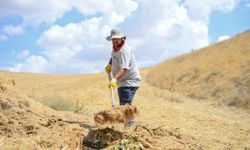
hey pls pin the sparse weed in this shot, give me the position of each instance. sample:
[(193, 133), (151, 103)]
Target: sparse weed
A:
[(238, 98), (78, 107), (59, 103), (211, 75), (76, 141)]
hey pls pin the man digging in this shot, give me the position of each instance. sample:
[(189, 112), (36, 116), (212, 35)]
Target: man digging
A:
[(125, 73)]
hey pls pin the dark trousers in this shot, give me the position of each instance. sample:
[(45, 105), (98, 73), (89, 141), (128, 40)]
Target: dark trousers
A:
[(126, 94)]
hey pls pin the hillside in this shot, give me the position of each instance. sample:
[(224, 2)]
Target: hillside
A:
[(219, 73), (27, 124)]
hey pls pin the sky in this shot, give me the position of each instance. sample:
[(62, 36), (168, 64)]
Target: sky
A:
[(68, 37)]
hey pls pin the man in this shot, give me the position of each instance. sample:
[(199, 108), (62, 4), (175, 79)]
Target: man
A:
[(122, 64)]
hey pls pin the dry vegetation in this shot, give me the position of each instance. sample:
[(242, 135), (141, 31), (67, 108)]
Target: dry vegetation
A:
[(183, 104), (220, 72)]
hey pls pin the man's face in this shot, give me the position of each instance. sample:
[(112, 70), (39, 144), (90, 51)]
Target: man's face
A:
[(116, 42)]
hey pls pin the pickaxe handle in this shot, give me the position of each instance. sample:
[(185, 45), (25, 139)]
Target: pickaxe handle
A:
[(112, 92)]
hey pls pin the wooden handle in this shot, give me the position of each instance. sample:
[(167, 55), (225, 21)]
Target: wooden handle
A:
[(112, 92), (109, 74)]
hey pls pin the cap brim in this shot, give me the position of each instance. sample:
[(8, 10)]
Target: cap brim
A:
[(109, 38)]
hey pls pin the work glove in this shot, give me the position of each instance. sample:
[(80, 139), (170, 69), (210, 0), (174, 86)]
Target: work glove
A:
[(108, 68), (112, 83)]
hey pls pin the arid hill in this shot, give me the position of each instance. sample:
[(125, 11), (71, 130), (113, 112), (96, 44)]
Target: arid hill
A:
[(220, 73), (27, 124)]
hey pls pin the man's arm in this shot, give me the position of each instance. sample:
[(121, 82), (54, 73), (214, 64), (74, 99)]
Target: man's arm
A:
[(108, 68), (110, 61), (120, 73)]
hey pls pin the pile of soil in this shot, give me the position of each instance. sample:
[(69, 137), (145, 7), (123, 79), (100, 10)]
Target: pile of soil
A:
[(139, 137), (25, 120), (118, 114)]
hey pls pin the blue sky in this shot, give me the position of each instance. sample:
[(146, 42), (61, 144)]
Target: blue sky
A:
[(230, 23), (69, 37)]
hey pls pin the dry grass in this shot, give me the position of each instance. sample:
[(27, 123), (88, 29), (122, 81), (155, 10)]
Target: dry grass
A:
[(76, 141), (58, 103), (219, 72)]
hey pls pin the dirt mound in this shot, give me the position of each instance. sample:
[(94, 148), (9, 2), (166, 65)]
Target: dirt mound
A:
[(6, 81), (119, 114), (101, 138), (139, 137), (24, 120)]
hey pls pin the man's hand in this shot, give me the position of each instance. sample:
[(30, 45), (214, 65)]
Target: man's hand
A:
[(112, 83), (108, 68)]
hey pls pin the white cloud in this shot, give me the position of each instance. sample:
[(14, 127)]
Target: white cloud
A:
[(35, 12), (90, 7), (36, 64), (3, 37), (24, 54), (70, 41), (170, 31), (222, 38), (13, 30), (201, 10), (76, 66)]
